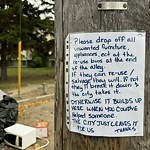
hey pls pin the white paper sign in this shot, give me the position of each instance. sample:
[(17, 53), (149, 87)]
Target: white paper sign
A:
[(105, 83)]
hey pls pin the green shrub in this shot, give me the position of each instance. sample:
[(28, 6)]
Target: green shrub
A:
[(36, 61)]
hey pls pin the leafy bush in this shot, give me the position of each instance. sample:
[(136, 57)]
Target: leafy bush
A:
[(36, 61)]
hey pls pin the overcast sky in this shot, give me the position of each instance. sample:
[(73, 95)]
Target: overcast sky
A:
[(38, 3)]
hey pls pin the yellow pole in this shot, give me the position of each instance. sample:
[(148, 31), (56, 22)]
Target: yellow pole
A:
[(19, 68)]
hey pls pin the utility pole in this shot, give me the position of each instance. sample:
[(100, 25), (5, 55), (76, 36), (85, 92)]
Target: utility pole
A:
[(88, 16)]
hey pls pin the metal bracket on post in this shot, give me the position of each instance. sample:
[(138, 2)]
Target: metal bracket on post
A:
[(112, 5)]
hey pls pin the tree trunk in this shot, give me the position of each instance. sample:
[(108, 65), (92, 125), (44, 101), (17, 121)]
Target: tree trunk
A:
[(83, 16), (4, 62)]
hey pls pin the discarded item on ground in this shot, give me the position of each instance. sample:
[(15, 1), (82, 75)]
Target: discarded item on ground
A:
[(8, 114), (1, 94), (20, 136), (42, 129), (43, 147), (2, 132)]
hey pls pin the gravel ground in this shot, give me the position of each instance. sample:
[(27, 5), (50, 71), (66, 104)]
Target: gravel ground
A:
[(35, 104)]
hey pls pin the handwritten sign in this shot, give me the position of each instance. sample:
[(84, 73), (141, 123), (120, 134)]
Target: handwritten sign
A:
[(105, 83)]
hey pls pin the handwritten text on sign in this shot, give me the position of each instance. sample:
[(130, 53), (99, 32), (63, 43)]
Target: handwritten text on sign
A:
[(106, 83)]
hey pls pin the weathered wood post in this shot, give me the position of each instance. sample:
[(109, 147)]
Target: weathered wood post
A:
[(83, 16)]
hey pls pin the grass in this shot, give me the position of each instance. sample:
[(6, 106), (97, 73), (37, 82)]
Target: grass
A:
[(28, 76)]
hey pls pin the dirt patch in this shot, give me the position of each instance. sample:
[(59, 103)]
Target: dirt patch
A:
[(34, 106)]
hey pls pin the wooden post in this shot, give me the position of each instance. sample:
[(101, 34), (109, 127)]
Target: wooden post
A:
[(83, 16)]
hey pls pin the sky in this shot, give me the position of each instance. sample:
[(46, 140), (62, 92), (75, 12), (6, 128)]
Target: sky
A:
[(38, 3)]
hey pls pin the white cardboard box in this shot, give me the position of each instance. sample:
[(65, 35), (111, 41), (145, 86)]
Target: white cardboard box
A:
[(24, 136), (41, 129)]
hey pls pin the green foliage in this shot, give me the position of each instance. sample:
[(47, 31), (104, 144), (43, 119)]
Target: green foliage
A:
[(36, 62), (39, 60), (21, 20)]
